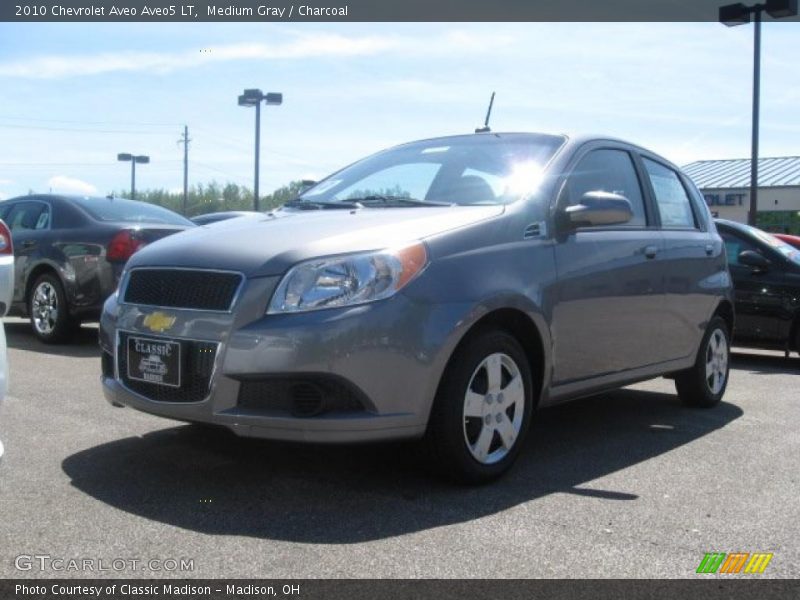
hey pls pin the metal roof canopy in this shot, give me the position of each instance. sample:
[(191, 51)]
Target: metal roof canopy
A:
[(735, 173)]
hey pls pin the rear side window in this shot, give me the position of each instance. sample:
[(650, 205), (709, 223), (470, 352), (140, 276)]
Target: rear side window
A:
[(607, 170), (129, 211), (673, 202)]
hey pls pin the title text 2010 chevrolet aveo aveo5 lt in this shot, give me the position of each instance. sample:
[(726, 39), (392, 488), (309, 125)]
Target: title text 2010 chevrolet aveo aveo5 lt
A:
[(442, 289)]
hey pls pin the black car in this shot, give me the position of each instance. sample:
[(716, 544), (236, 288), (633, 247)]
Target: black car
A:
[(69, 253), (766, 279)]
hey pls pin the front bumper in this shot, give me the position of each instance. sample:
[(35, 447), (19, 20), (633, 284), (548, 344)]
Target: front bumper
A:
[(389, 354)]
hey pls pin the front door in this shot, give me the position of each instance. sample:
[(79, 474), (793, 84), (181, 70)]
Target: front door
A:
[(610, 292), (759, 293)]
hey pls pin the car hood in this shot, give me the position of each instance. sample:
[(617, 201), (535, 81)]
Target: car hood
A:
[(270, 244)]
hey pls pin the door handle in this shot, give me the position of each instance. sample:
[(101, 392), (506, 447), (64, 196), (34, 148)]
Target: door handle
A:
[(651, 251), (709, 249), (28, 243)]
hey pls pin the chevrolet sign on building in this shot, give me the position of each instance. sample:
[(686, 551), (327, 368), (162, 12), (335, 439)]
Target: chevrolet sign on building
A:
[(725, 184)]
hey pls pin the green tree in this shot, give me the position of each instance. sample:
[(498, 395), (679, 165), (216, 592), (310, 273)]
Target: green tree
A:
[(216, 197)]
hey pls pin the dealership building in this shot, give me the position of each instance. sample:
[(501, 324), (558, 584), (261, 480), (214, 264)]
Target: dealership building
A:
[(726, 187)]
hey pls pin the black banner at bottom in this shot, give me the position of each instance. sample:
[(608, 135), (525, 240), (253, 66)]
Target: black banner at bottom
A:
[(713, 588)]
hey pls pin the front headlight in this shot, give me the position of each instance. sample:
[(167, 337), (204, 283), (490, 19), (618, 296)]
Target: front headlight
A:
[(347, 280)]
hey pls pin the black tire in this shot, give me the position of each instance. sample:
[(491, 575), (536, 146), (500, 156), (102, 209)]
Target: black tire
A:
[(61, 327), (694, 388), (447, 440)]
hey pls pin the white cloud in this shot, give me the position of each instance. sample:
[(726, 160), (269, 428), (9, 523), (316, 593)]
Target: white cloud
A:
[(5, 181), (70, 185), (304, 46)]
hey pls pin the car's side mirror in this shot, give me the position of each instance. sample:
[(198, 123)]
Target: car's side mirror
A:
[(754, 260), (599, 208)]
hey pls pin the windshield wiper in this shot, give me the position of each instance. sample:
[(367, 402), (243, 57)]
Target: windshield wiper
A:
[(301, 204), (395, 201)]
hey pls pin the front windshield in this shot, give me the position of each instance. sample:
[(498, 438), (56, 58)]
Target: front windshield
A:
[(477, 169)]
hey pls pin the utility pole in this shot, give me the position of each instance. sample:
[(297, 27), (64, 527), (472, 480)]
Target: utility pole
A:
[(185, 141)]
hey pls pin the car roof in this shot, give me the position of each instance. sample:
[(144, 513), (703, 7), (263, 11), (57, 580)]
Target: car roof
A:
[(63, 197), (571, 140)]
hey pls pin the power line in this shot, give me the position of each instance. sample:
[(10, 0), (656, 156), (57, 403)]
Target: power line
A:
[(210, 168), (123, 123), (76, 129), (76, 164)]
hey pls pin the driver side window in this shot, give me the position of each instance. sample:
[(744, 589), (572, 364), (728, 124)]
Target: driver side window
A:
[(607, 170), (735, 245)]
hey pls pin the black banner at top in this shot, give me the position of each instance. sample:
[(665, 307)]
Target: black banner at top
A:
[(358, 10)]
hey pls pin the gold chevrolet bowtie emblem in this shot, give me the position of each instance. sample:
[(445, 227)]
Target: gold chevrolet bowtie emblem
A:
[(158, 322)]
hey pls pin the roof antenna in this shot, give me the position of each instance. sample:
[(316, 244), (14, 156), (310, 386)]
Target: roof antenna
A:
[(486, 128)]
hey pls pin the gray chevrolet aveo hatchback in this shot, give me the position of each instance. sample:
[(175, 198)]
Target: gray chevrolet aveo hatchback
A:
[(441, 290)]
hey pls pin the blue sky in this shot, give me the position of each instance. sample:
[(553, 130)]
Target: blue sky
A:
[(74, 95)]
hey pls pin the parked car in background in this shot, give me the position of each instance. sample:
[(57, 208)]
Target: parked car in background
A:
[(209, 218), (766, 279), (69, 254), (441, 289), (6, 291), (792, 240)]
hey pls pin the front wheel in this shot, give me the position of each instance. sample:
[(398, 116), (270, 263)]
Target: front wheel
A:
[(704, 384), (48, 310), (482, 411)]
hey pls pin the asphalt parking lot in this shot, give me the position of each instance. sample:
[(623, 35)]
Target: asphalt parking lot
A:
[(628, 484)]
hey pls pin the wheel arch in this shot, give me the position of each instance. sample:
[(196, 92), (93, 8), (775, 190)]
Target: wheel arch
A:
[(726, 312), (522, 327), (41, 269)]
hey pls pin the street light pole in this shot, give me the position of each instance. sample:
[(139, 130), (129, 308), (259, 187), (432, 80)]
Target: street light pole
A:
[(142, 159), (752, 214), (254, 97), (258, 153), (133, 180), (738, 14)]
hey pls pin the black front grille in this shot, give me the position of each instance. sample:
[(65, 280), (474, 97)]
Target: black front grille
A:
[(178, 288), (302, 397), (197, 360)]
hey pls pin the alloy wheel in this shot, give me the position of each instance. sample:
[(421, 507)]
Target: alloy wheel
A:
[(44, 308), (494, 406), (716, 361)]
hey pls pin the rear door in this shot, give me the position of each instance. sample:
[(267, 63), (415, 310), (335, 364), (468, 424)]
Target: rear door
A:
[(610, 292), (29, 222), (693, 258)]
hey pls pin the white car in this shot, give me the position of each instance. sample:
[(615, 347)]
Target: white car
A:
[(6, 291)]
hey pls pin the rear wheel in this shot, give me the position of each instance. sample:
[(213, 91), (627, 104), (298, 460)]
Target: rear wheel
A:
[(704, 384), (483, 409), (48, 310)]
